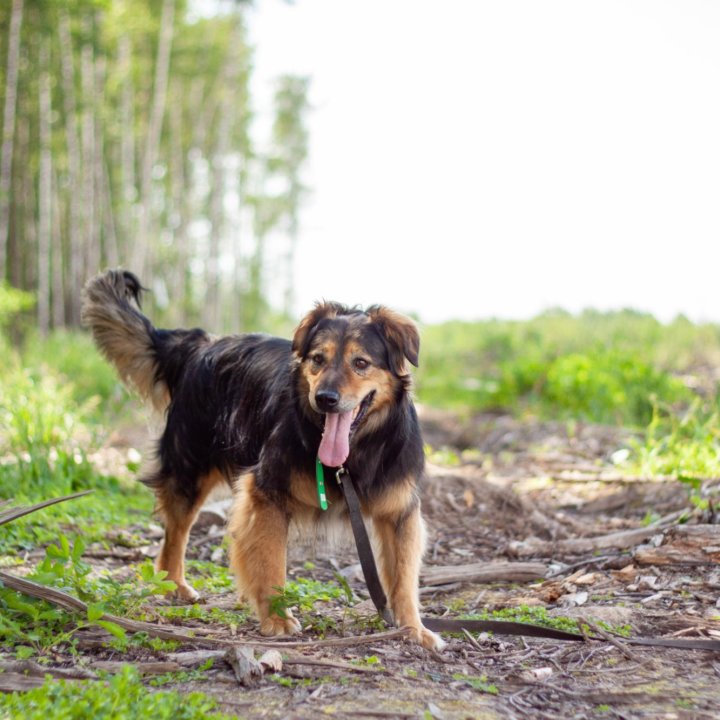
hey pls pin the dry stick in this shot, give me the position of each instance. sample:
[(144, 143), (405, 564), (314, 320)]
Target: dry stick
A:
[(472, 640), (300, 660), (14, 513), (613, 641)]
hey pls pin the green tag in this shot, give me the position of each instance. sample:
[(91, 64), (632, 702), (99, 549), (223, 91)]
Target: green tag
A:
[(320, 477)]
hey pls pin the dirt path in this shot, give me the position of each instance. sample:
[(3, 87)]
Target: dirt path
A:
[(497, 490)]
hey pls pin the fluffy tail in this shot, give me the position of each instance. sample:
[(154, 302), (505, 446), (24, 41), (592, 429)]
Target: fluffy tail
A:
[(110, 308)]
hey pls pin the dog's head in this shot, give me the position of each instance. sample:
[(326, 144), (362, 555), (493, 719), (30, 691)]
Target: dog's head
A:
[(353, 368)]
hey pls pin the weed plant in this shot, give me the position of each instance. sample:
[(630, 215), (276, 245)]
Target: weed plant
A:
[(32, 626), (120, 697)]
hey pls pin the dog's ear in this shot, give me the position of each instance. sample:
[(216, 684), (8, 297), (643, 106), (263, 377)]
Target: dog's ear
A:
[(306, 329), (401, 336)]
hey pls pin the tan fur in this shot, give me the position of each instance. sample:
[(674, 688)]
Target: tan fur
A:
[(402, 544), (178, 519), (355, 385), (258, 550), (309, 525), (123, 339)]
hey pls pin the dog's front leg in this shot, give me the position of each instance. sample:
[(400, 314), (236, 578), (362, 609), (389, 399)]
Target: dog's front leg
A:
[(401, 539), (258, 550)]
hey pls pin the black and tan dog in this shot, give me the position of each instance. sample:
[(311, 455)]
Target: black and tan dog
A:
[(255, 412)]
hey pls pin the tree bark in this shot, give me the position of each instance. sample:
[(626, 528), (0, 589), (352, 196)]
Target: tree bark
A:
[(56, 262), (162, 69), (6, 154), (44, 194), (128, 194), (74, 200), (90, 259)]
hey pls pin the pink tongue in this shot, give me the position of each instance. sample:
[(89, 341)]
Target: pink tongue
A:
[(335, 444)]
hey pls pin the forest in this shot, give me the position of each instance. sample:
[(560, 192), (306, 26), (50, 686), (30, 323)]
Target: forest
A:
[(572, 475), (128, 138)]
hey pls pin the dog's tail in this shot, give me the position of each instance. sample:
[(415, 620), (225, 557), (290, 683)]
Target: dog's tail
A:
[(110, 308)]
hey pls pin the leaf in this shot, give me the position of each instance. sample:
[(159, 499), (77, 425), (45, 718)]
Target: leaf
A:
[(78, 549), (112, 628), (95, 611)]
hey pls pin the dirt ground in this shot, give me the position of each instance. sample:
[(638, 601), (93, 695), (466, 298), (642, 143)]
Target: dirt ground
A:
[(498, 491)]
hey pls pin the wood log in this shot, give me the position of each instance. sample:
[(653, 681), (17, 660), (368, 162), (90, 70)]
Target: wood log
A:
[(484, 572), (580, 546), (683, 545)]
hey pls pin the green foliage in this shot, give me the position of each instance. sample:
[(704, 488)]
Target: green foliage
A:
[(48, 424), (207, 615), (122, 697), (12, 303), (36, 625), (183, 676), (477, 683), (44, 432), (682, 445), (73, 358), (303, 594), (209, 577), (525, 614), (599, 367), (608, 387), (686, 446)]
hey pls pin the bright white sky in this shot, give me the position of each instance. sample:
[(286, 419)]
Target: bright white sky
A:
[(473, 159)]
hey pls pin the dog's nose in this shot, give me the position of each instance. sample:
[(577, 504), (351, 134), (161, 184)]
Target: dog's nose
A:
[(327, 400)]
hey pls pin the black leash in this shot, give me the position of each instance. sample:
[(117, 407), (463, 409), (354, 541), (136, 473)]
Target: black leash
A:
[(447, 625)]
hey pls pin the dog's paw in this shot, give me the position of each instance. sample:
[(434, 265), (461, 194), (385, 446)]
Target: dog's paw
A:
[(184, 592), (428, 639), (274, 625)]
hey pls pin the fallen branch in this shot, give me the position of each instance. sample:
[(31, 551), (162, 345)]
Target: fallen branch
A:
[(598, 631), (581, 546), (484, 573), (322, 662), (33, 669), (684, 545), (17, 682), (14, 513), (68, 602)]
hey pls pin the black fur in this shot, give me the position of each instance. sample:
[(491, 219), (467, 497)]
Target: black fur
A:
[(235, 405)]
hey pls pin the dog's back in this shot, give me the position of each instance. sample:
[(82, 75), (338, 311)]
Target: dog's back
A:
[(213, 391)]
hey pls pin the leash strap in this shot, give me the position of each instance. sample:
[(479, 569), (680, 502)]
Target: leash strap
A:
[(501, 627), (362, 541)]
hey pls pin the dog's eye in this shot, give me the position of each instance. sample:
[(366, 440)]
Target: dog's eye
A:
[(361, 364), (317, 358)]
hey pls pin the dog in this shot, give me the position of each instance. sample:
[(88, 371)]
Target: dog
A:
[(255, 411)]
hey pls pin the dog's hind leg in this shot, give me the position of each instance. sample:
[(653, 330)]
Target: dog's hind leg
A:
[(179, 514), (258, 555)]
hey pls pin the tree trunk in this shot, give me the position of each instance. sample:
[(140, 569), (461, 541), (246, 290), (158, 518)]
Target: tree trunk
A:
[(162, 70), (75, 269), (44, 195), (6, 154), (127, 144), (91, 260), (56, 262), (180, 200), (217, 191)]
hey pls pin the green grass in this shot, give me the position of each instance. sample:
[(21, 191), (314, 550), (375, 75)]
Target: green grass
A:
[(121, 697), (525, 614)]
